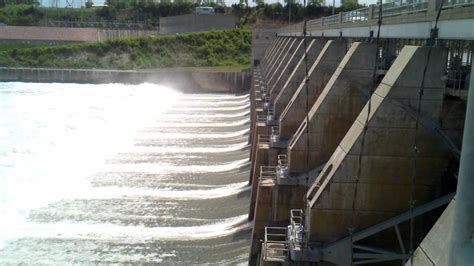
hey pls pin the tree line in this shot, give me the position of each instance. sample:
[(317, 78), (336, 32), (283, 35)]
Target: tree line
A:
[(29, 12)]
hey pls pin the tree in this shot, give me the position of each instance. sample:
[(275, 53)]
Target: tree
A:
[(349, 5), (260, 3), (89, 4)]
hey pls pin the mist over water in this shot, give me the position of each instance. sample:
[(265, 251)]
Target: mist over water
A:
[(117, 173)]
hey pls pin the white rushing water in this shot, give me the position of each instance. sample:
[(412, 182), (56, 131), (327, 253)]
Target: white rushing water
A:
[(122, 174)]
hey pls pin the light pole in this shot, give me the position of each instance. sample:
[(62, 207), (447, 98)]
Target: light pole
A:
[(289, 12), (462, 230)]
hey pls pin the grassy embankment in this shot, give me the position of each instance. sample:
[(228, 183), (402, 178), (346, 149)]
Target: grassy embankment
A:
[(225, 49)]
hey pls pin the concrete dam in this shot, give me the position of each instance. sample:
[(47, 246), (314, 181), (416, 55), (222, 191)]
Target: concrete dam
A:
[(356, 140), (347, 143)]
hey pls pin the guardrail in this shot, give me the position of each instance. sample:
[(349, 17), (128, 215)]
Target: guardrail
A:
[(267, 173), (263, 139), (296, 228), (397, 8), (361, 14), (259, 105), (455, 3), (98, 24), (261, 119), (334, 19), (275, 245)]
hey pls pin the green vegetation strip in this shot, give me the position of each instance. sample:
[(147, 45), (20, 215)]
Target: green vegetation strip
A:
[(225, 48)]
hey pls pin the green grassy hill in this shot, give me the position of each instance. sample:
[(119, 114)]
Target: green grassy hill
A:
[(204, 49)]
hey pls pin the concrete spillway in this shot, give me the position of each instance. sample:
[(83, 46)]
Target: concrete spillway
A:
[(333, 137)]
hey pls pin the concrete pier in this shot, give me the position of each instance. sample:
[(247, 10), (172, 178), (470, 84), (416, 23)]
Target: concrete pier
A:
[(288, 68), (331, 150), (276, 57), (296, 77), (319, 74), (270, 52), (333, 113), (384, 186), (282, 65)]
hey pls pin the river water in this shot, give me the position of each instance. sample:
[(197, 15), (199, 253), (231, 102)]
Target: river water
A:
[(117, 173)]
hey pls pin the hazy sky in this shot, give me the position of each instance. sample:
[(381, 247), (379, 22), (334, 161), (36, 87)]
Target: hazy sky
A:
[(228, 2)]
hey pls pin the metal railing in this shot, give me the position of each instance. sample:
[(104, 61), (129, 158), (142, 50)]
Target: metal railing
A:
[(313, 24), (270, 116), (259, 105), (296, 233), (263, 91), (361, 14), (334, 19), (282, 169), (261, 119), (275, 135), (267, 105), (275, 245), (400, 7), (267, 173), (456, 3), (263, 139), (99, 24)]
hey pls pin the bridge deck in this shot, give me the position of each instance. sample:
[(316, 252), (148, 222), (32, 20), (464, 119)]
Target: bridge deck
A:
[(403, 21)]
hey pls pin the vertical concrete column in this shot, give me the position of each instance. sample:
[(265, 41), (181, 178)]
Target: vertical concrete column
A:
[(334, 111), (319, 74), (371, 12), (295, 78), (386, 169)]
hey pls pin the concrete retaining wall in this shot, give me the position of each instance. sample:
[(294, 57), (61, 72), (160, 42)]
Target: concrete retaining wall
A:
[(181, 80), (110, 34), (194, 22), (54, 35)]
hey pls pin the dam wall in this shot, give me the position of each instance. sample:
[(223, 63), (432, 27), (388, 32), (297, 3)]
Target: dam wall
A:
[(333, 154), (185, 81)]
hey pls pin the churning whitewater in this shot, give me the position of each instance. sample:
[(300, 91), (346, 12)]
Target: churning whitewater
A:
[(117, 173)]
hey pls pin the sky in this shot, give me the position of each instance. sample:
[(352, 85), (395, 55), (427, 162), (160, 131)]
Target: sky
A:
[(228, 2)]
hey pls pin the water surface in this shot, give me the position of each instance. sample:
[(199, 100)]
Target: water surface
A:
[(122, 174)]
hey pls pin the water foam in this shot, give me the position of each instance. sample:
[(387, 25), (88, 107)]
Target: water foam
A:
[(129, 234), (197, 194), (180, 149), (172, 168), (175, 136)]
